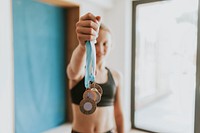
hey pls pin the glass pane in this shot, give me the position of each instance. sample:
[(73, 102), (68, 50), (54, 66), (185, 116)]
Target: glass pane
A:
[(166, 46)]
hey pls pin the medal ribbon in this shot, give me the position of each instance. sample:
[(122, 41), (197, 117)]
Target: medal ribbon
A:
[(90, 63)]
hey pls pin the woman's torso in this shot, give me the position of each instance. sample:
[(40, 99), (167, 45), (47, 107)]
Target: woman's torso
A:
[(103, 118)]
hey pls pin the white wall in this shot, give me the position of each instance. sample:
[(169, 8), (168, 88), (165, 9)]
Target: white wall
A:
[(119, 20), (95, 7), (6, 69)]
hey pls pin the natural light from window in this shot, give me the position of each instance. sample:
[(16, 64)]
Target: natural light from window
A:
[(165, 79)]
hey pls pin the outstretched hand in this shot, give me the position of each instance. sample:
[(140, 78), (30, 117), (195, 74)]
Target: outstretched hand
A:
[(87, 28)]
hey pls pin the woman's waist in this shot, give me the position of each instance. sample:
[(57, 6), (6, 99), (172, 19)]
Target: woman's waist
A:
[(93, 123), (93, 131), (94, 119), (104, 112), (93, 128), (101, 119)]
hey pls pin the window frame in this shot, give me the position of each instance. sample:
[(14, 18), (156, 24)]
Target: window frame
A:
[(133, 61), (197, 97)]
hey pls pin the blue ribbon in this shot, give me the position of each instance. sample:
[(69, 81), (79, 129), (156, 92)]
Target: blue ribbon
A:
[(90, 63)]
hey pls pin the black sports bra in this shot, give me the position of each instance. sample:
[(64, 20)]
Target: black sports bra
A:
[(109, 91)]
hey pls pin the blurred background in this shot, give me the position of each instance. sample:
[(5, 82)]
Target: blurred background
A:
[(155, 46)]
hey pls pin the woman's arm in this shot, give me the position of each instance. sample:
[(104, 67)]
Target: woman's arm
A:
[(75, 68), (86, 29), (119, 118)]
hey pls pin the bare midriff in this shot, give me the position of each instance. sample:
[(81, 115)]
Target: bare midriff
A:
[(100, 121)]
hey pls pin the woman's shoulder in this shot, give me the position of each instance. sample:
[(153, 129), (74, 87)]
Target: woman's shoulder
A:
[(115, 72), (117, 75)]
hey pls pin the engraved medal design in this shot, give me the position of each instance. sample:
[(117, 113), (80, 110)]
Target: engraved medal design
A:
[(89, 93), (87, 106)]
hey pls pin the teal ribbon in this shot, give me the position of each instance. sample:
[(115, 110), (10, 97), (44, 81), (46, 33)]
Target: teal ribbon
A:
[(90, 63)]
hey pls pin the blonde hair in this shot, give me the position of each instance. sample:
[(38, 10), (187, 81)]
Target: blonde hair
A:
[(105, 28)]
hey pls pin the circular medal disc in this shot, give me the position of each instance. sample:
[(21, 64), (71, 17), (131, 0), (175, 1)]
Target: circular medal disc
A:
[(87, 106), (98, 95), (90, 94), (98, 87)]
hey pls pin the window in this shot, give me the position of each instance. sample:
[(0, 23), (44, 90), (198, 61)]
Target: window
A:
[(164, 65)]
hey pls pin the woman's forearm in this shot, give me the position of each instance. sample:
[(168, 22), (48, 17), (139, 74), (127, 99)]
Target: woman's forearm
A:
[(77, 62), (120, 124)]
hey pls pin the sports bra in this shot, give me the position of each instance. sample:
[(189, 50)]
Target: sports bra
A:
[(108, 96)]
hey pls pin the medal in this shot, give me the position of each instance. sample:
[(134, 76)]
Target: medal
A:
[(98, 87), (93, 93), (87, 106), (98, 95), (89, 94)]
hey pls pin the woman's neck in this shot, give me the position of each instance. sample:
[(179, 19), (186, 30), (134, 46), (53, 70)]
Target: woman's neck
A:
[(100, 67)]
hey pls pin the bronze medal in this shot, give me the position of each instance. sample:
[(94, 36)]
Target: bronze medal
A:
[(87, 106), (98, 87), (90, 94), (98, 95), (91, 97)]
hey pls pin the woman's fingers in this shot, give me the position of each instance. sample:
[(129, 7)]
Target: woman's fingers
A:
[(98, 19), (86, 31), (89, 16), (88, 23), (83, 38), (87, 27)]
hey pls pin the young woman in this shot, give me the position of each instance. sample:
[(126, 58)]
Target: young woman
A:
[(108, 116)]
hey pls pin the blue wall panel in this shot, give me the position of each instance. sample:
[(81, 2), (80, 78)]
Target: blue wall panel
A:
[(39, 65)]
